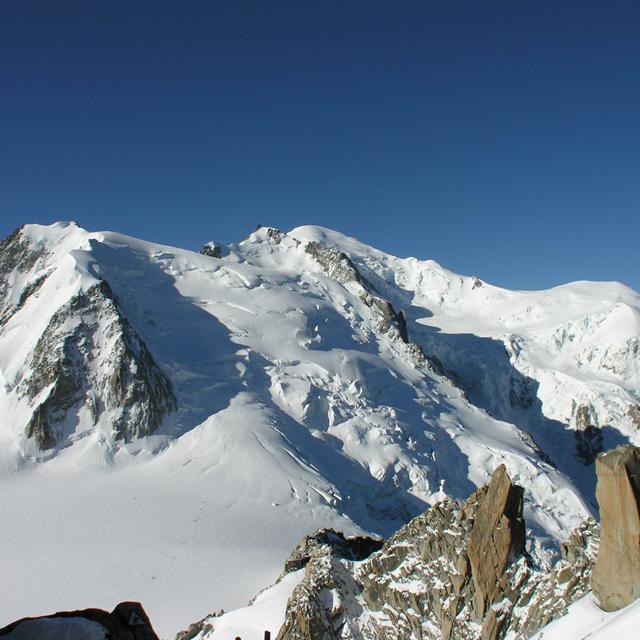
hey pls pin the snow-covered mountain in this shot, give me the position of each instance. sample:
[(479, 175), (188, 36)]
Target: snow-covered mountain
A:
[(171, 422)]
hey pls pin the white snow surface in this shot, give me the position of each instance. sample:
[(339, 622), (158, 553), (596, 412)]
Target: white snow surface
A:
[(294, 413), (58, 629), (585, 620), (265, 613)]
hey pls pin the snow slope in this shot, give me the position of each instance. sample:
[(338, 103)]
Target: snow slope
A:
[(586, 620), (298, 404)]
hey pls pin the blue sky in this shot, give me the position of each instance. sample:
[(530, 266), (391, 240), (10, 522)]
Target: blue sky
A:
[(500, 138)]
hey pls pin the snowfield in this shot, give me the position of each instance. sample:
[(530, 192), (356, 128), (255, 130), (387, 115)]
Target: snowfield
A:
[(299, 404)]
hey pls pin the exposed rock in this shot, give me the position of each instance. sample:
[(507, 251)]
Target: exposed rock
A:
[(89, 353), (589, 443), (277, 236), (616, 577), (195, 629), (633, 411), (315, 610), (456, 572), (17, 255), (498, 535), (128, 621), (338, 266), (212, 249), (202, 628), (587, 434), (584, 417), (324, 540)]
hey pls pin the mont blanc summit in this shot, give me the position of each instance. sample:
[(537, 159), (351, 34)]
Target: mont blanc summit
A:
[(173, 422)]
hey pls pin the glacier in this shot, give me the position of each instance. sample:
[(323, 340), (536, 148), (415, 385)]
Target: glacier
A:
[(204, 411)]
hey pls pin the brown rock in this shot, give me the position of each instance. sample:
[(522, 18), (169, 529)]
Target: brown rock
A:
[(616, 577), (498, 534)]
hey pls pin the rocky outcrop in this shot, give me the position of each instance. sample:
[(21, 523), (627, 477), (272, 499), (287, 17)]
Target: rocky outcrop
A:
[(18, 256), (323, 549), (497, 536), (325, 541), (459, 571), (338, 266), (633, 412), (201, 628), (212, 249), (90, 355), (587, 434), (128, 621), (616, 577)]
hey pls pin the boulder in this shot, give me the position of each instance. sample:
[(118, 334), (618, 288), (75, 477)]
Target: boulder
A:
[(616, 577)]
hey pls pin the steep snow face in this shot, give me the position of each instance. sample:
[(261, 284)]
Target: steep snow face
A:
[(290, 381)]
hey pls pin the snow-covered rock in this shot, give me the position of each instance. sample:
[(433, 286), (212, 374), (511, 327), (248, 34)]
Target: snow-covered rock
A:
[(128, 621), (432, 579)]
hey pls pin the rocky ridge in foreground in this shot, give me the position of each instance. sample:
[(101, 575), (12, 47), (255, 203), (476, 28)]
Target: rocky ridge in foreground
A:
[(459, 571)]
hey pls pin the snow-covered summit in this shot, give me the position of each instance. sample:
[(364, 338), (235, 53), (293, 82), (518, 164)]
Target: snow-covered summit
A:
[(295, 380)]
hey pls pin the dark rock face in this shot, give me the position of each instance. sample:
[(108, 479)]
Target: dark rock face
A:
[(17, 255), (588, 436), (338, 266), (90, 353), (497, 536), (616, 577), (456, 572), (326, 541), (128, 621), (276, 236), (212, 249)]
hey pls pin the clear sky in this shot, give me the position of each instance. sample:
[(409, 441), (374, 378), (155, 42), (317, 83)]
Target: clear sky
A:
[(501, 139)]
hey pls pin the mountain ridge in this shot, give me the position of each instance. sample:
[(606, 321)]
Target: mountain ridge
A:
[(352, 387)]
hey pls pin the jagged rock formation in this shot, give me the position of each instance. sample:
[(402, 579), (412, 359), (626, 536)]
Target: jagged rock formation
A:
[(200, 628), (587, 434), (17, 256), (456, 572), (326, 541), (212, 249), (497, 535), (616, 577), (322, 544), (128, 621), (90, 330), (338, 266)]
